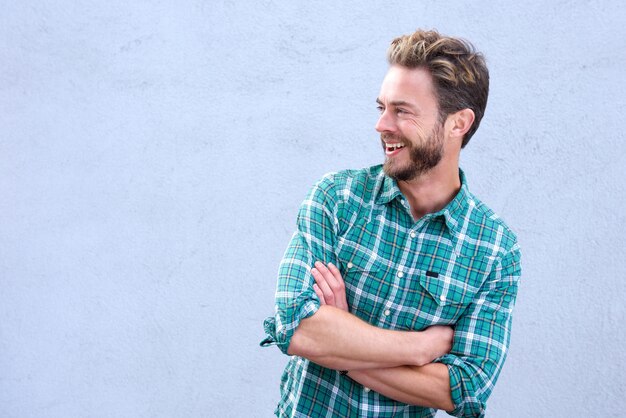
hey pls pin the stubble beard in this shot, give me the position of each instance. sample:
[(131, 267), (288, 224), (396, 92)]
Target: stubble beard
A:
[(423, 157)]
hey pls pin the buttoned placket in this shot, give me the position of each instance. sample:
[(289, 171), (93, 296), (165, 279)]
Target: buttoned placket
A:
[(400, 270)]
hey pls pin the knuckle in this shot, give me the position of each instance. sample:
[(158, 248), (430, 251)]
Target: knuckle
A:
[(337, 287)]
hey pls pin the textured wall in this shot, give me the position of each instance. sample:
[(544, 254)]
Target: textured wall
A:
[(153, 156)]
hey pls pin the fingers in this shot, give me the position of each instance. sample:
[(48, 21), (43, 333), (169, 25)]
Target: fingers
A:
[(331, 275), (329, 285), (336, 275), (319, 294), (321, 280)]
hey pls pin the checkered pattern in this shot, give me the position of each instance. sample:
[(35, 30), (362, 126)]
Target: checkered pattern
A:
[(459, 266)]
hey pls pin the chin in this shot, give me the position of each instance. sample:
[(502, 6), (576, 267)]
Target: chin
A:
[(395, 170)]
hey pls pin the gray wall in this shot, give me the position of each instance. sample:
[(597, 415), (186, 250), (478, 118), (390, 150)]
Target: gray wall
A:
[(153, 156)]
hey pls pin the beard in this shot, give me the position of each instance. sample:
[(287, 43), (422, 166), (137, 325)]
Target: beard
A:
[(423, 157)]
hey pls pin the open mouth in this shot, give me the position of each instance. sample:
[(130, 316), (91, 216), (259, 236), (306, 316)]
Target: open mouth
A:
[(391, 148)]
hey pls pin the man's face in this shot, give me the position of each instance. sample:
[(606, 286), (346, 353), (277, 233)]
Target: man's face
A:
[(409, 126)]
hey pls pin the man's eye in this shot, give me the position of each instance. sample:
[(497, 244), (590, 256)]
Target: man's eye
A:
[(400, 111), (380, 108)]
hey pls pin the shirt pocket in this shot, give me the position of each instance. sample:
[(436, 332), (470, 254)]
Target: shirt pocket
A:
[(363, 275), (437, 300)]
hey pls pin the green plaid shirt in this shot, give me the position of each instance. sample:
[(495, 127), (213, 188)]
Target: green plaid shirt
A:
[(459, 266)]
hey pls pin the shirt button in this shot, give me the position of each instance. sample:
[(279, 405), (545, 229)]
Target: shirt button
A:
[(350, 265), (442, 298), (367, 389), (400, 274), (387, 312), (413, 234)]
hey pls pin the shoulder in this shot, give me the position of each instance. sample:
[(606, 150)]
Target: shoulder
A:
[(349, 185), (488, 229), (344, 194)]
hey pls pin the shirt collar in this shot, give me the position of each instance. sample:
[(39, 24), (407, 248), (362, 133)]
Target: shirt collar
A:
[(453, 213), (388, 189)]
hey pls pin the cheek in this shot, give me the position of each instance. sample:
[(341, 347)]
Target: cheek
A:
[(414, 130)]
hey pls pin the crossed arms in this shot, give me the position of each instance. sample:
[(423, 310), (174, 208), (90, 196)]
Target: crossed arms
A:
[(393, 363)]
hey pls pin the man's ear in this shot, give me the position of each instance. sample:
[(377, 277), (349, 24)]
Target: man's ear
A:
[(460, 122)]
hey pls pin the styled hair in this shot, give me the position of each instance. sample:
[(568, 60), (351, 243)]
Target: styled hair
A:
[(459, 73)]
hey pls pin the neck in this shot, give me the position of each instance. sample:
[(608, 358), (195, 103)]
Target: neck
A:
[(433, 190)]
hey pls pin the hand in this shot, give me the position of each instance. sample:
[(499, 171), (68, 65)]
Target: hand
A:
[(329, 285), (438, 341)]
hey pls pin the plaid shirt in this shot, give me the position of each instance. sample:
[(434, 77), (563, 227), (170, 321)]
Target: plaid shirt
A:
[(459, 266)]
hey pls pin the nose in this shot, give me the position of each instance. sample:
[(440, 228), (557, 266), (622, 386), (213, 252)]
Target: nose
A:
[(385, 122)]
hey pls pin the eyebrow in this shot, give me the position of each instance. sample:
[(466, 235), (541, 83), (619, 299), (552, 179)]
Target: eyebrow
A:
[(397, 103)]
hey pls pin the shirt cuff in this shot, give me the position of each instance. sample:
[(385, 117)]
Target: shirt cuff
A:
[(279, 332), (461, 389)]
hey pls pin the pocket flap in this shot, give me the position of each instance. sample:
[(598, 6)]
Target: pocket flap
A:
[(358, 259), (446, 290)]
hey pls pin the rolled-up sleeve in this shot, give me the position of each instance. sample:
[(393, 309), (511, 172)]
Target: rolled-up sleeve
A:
[(481, 338), (314, 240)]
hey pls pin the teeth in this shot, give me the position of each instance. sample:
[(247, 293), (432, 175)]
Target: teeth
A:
[(393, 147)]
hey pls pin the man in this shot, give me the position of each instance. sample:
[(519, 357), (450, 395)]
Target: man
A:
[(394, 297)]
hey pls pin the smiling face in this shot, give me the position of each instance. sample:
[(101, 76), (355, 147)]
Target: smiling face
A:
[(409, 125)]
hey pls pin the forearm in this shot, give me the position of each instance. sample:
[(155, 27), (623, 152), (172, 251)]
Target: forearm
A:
[(427, 386), (339, 340)]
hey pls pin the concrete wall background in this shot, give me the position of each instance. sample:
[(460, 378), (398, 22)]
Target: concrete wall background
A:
[(153, 156)]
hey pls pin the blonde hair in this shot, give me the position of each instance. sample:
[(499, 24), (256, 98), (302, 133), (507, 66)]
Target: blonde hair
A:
[(459, 73)]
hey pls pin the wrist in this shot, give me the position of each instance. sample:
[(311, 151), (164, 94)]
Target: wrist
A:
[(421, 353), (412, 349)]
